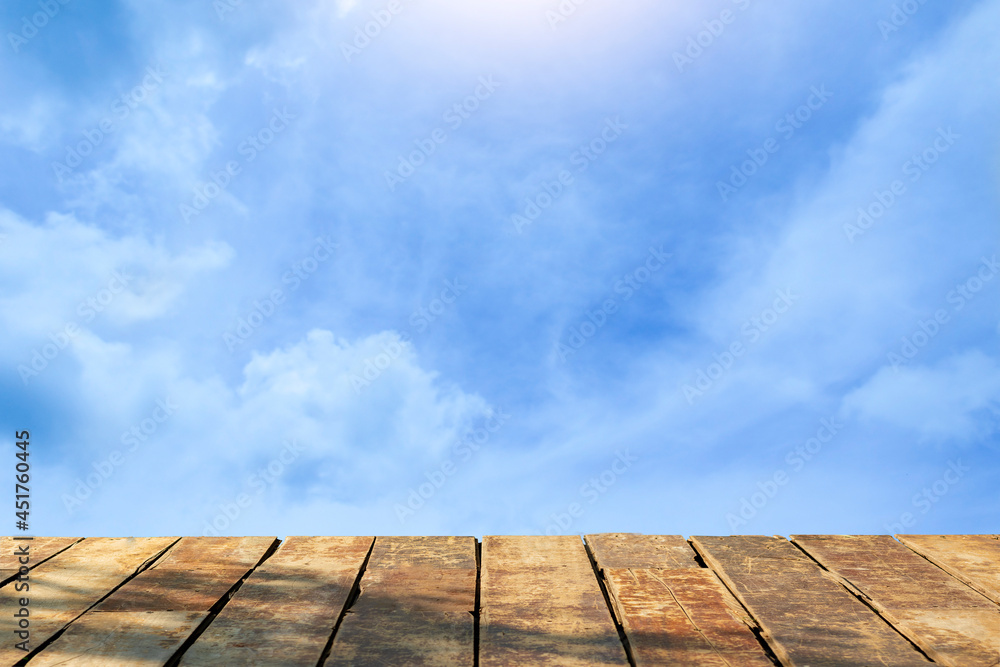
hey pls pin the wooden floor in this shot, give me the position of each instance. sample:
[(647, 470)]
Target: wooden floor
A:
[(611, 599)]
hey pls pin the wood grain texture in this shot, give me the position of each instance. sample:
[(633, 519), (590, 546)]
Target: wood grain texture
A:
[(40, 549), (65, 586), (121, 639), (542, 605), (683, 616), (805, 614), (286, 610), (950, 622), (973, 559), (416, 605), (193, 576), (632, 550), (673, 610)]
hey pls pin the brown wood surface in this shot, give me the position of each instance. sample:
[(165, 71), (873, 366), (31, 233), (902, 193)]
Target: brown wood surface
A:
[(40, 549), (632, 550), (824, 601), (121, 639), (416, 605), (285, 612), (672, 609), (974, 559), (193, 576), (65, 586), (683, 616), (805, 614), (541, 604), (950, 622)]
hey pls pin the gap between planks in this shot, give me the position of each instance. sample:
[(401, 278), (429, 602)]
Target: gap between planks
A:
[(145, 565), (607, 600), (217, 608), (352, 597), (861, 597)]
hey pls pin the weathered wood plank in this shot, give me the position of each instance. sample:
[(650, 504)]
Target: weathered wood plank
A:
[(673, 610), (121, 639), (40, 549), (542, 605), (806, 616), (950, 622), (632, 550), (285, 612), (416, 605), (972, 559), (683, 616), (193, 576), (65, 586)]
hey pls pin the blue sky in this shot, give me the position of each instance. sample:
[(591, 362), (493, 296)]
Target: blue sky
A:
[(474, 267)]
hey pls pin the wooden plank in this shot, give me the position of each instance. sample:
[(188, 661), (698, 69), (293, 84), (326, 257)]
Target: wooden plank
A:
[(286, 610), (121, 639), (151, 616), (193, 576), (40, 549), (950, 622), (632, 550), (806, 616), (416, 605), (542, 605), (673, 610), (682, 616), (972, 559), (65, 586)]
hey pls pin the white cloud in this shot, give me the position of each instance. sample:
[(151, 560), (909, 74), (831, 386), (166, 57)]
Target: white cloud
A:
[(32, 128), (358, 447), (857, 298), (345, 6), (67, 271), (957, 398)]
